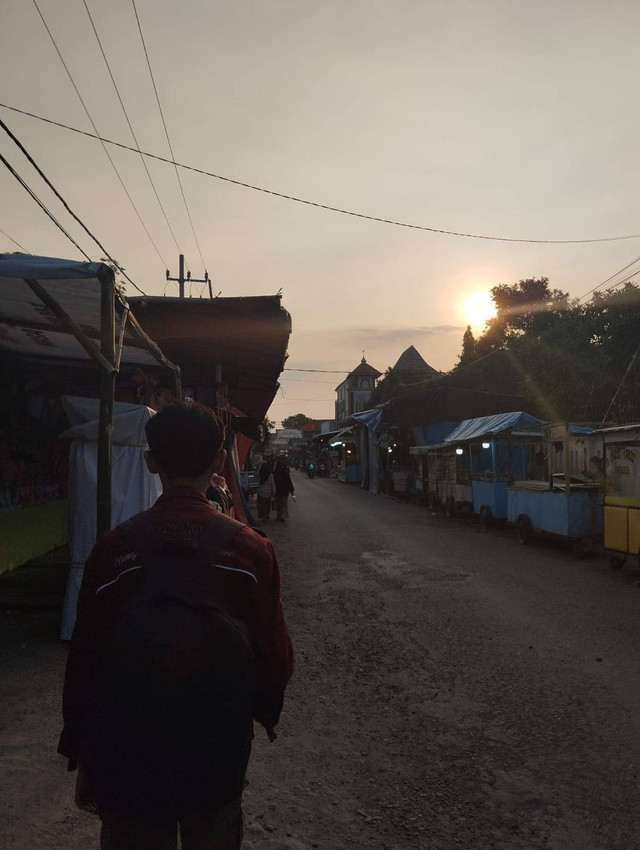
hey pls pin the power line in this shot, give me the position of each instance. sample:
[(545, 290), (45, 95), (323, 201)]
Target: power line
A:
[(315, 398), (605, 282), (15, 242), (106, 62), (97, 135), (323, 371), (166, 132), (42, 205), (318, 205), (305, 381), (67, 207)]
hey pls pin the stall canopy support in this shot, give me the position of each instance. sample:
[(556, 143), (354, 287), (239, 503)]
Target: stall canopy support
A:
[(107, 392), (88, 344)]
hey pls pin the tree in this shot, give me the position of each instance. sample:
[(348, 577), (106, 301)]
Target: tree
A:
[(568, 360), (468, 354), (526, 307), (296, 421)]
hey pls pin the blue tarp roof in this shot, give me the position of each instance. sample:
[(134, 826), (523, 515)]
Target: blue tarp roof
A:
[(585, 430), (47, 268), (370, 418), (470, 429)]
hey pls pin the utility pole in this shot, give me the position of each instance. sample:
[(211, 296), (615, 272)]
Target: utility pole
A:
[(181, 279)]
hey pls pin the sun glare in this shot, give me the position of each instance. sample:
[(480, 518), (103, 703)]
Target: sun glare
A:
[(478, 309)]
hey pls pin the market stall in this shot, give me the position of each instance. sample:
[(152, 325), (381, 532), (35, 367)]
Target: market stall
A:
[(568, 504), (448, 481), (63, 324), (620, 472), (501, 448)]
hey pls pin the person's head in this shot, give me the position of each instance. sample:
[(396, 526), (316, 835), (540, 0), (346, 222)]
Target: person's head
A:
[(185, 443)]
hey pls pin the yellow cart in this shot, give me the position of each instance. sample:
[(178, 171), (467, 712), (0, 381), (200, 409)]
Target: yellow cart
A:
[(622, 493)]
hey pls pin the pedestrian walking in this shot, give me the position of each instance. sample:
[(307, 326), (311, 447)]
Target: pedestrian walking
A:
[(284, 486), (266, 490), (180, 643)]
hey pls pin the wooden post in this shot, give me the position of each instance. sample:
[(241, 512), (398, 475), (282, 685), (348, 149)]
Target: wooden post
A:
[(181, 275), (567, 460), (107, 387)]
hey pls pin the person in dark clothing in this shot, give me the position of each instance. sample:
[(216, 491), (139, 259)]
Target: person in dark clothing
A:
[(284, 486), (185, 449), (266, 489)]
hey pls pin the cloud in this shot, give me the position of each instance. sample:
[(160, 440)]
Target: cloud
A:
[(341, 348), (384, 335)]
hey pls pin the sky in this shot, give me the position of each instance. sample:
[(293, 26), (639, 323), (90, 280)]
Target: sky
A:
[(511, 119)]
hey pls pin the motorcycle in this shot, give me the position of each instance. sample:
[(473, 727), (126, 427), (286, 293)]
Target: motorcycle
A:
[(311, 470)]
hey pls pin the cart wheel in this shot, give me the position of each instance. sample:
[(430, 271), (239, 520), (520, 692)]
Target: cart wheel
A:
[(486, 517), (524, 529), (450, 507), (617, 562)]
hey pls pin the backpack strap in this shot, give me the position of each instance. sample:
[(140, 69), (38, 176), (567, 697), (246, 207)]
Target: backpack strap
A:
[(146, 539)]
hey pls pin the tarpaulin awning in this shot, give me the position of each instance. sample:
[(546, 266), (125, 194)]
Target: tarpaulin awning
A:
[(482, 426), (50, 309), (328, 435), (246, 337), (582, 430), (371, 418), (135, 488)]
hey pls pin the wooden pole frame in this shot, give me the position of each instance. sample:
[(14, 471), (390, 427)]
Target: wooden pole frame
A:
[(107, 392)]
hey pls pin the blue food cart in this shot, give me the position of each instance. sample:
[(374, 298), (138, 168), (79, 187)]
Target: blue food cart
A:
[(500, 449), (568, 504)]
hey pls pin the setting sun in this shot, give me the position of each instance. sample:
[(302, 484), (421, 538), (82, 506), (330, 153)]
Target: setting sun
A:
[(478, 309)]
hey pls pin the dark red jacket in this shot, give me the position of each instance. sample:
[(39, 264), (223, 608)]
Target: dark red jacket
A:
[(180, 514)]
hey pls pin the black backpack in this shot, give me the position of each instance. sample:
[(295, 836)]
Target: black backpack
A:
[(171, 729)]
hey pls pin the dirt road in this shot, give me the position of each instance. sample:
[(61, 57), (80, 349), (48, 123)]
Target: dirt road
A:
[(452, 689)]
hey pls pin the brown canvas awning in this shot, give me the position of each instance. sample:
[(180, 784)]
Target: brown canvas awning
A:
[(247, 337)]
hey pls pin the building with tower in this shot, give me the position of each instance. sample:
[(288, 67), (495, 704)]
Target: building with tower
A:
[(354, 392)]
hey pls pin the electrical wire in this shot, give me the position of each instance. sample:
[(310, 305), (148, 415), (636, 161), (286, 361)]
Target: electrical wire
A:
[(605, 282), (153, 186), (323, 371), (97, 135), (42, 205), (15, 242), (67, 207), (289, 400), (318, 205), (166, 132), (305, 381)]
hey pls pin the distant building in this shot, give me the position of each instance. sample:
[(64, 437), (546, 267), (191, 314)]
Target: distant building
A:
[(317, 426), (354, 392), (411, 361), (285, 439), (327, 425)]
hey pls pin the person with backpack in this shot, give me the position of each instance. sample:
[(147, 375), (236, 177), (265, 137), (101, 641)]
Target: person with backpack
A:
[(180, 644)]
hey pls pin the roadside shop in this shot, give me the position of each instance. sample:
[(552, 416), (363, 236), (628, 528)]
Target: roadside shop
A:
[(65, 329)]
